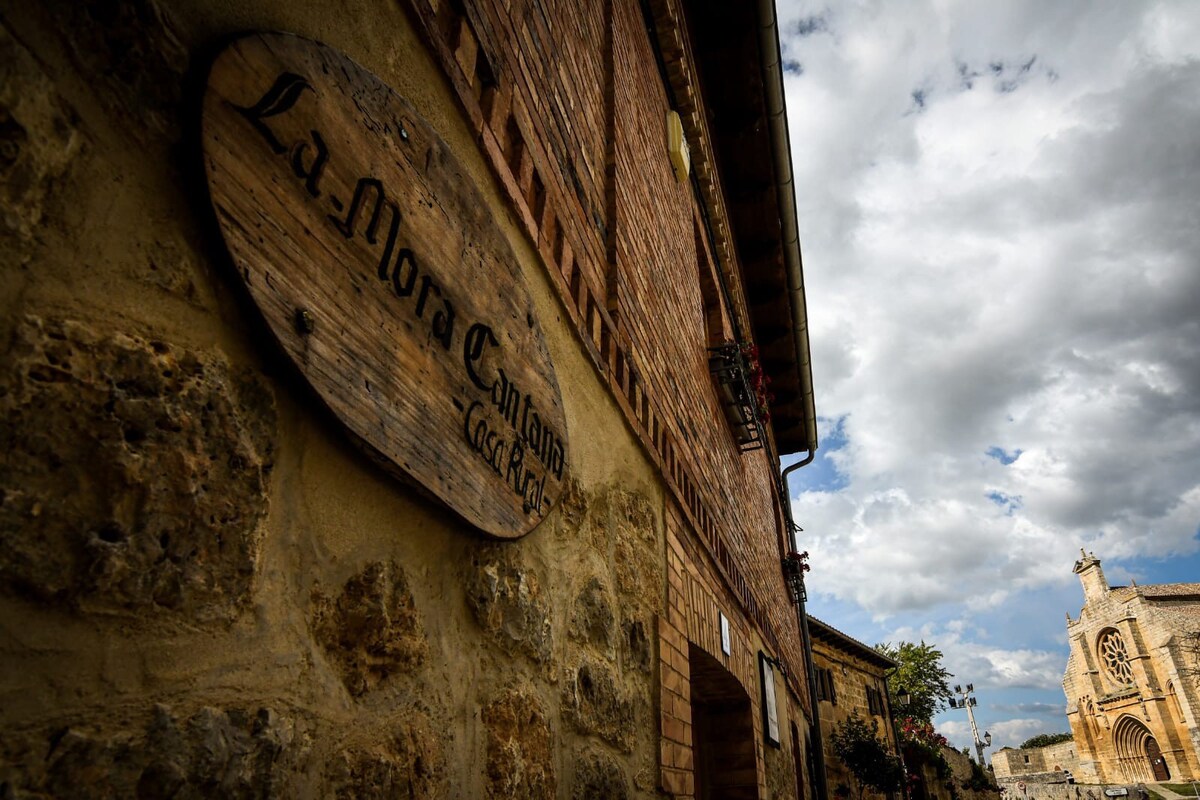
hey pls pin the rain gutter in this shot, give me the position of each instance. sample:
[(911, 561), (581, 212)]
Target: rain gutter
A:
[(785, 191)]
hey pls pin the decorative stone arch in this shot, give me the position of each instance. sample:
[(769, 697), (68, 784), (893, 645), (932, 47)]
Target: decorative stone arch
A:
[(1139, 756), (1087, 714), (1173, 701)]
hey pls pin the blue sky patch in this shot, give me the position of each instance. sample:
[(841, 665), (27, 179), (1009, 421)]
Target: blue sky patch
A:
[(822, 475), (810, 25), (1009, 503), (1003, 456)]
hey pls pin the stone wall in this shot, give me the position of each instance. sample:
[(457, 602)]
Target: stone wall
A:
[(851, 675), (1051, 786), (205, 590), (1010, 762), (960, 784)]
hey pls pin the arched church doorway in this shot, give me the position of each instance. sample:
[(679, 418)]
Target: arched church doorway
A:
[(1138, 754), (722, 731)]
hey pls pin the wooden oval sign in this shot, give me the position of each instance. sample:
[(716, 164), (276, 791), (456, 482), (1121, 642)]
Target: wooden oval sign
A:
[(382, 273)]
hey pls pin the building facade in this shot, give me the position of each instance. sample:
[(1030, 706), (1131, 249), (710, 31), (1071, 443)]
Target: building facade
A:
[(1054, 763), (851, 679), (1132, 680), (384, 401)]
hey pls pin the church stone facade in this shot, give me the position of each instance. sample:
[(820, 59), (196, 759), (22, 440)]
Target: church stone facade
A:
[(1132, 686)]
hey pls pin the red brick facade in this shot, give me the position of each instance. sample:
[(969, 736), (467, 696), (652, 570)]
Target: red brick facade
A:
[(569, 106)]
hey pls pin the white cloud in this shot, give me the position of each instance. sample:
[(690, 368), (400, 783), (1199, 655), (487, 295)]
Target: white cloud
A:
[(1012, 732), (998, 208), (985, 665), (1015, 265)]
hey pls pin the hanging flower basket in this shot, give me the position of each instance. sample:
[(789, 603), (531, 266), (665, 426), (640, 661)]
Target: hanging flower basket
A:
[(742, 388)]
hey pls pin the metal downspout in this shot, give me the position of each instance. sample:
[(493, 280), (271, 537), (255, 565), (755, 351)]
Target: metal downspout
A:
[(815, 740), (887, 690)]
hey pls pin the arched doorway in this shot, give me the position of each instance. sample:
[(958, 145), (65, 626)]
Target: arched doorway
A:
[(722, 731), (1138, 754)]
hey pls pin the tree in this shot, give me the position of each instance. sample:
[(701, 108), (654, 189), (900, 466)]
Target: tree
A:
[(859, 747), (921, 675), (1189, 645), (1043, 739)]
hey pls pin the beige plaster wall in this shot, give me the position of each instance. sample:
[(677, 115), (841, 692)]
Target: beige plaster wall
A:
[(308, 626)]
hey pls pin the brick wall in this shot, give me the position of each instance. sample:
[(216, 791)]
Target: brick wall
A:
[(646, 336), (696, 597), (570, 109)]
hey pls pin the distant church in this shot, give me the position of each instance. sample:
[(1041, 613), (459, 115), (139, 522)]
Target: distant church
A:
[(1133, 680)]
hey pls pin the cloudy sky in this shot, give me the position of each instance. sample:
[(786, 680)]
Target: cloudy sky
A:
[(1000, 221)]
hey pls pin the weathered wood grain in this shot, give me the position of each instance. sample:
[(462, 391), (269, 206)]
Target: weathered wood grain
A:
[(380, 270)]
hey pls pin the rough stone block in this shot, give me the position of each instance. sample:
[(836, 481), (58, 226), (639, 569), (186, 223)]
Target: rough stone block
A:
[(372, 629), (408, 762), (133, 58), (133, 473), (595, 703), (38, 137), (592, 619), (506, 600), (520, 754), (572, 508), (598, 777), (635, 645), (637, 560), (212, 753)]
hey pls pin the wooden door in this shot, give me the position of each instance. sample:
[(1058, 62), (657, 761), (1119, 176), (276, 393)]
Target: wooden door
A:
[(1158, 764)]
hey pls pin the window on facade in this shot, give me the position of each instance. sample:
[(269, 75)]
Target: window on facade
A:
[(875, 701), (825, 688), (1114, 656)]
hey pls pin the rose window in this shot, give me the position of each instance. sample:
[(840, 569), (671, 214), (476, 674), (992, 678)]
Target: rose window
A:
[(1115, 657)]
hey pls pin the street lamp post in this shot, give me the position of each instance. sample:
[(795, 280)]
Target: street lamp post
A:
[(903, 698), (967, 701)]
